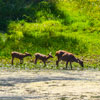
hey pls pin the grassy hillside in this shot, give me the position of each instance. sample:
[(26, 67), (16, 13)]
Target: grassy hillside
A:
[(49, 25)]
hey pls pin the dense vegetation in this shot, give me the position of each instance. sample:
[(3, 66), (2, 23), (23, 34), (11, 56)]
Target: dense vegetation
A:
[(49, 25)]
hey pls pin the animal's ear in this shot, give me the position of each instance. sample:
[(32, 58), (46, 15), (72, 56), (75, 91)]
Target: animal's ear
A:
[(26, 53), (50, 53), (82, 59)]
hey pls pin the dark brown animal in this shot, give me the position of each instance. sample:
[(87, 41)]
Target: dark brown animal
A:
[(59, 55), (19, 56), (68, 57), (42, 57)]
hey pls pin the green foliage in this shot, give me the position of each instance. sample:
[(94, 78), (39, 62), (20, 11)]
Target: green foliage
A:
[(50, 25)]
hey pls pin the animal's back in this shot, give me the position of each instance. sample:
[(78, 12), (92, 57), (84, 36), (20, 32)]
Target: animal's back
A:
[(40, 56), (60, 53), (68, 57), (16, 54)]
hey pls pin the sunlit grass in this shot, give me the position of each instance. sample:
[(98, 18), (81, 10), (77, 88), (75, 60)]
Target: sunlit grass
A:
[(65, 25)]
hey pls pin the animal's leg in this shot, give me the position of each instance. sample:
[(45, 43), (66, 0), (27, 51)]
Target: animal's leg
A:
[(57, 62), (66, 64), (35, 61), (71, 65), (44, 63), (12, 60), (21, 61)]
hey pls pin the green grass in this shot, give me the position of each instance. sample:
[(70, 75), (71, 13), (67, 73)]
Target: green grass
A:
[(71, 25)]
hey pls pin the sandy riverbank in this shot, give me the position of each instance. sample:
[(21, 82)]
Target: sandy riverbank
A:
[(49, 85)]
